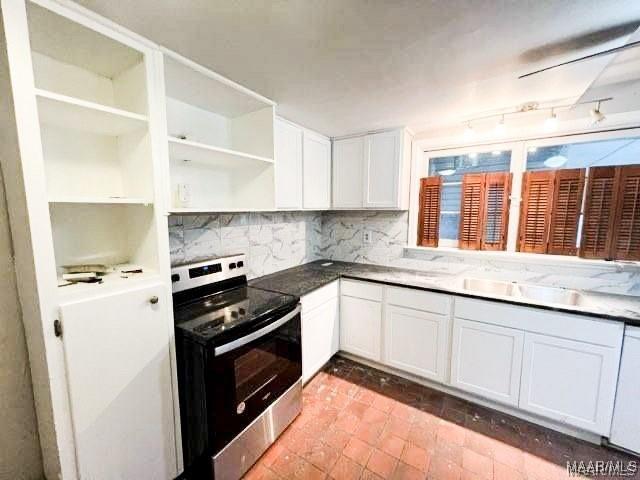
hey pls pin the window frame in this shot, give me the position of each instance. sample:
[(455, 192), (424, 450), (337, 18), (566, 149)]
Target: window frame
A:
[(426, 149)]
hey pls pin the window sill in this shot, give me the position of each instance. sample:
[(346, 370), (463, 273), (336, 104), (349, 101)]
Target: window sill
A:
[(531, 258)]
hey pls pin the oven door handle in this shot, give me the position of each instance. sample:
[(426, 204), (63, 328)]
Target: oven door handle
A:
[(227, 347)]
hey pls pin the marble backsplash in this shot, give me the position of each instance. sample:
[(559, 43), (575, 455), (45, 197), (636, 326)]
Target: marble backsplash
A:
[(271, 241), (275, 241)]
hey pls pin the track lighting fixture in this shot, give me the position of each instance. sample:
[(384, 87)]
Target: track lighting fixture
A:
[(596, 115), (551, 123)]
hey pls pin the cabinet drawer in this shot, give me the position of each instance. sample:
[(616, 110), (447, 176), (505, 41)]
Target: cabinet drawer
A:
[(318, 297), (368, 291), (419, 299)]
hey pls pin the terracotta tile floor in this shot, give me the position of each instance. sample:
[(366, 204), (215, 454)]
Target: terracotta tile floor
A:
[(361, 423)]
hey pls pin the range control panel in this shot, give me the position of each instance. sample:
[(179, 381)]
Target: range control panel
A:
[(192, 275)]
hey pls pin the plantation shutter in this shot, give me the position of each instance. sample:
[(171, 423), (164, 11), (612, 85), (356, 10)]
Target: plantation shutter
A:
[(599, 212), (626, 237), (471, 211), (565, 214), (535, 211), (429, 215), (496, 211)]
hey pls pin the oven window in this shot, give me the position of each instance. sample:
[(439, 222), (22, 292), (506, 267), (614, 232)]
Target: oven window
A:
[(258, 367)]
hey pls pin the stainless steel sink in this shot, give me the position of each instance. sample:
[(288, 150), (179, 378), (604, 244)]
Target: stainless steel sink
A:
[(560, 296), (534, 293), (492, 287)]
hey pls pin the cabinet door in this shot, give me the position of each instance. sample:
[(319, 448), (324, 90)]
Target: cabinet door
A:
[(348, 160), (316, 171), (416, 341), (320, 337), (572, 382), (382, 169), (487, 360), (288, 165), (119, 378), (360, 327)]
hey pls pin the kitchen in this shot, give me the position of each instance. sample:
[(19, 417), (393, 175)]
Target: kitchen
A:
[(223, 267)]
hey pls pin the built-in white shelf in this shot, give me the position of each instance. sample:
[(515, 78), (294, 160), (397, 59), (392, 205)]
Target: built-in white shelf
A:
[(102, 200), (112, 282), (191, 211), (180, 149), (74, 113)]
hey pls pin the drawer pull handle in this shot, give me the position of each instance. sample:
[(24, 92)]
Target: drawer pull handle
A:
[(154, 300)]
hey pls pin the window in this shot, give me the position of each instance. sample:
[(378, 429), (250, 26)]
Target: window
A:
[(582, 198), (452, 170), (572, 196)]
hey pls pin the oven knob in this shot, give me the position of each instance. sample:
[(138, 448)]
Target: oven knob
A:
[(240, 409)]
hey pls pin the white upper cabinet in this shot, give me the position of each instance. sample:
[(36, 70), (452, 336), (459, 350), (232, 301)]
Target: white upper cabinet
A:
[(372, 171), (382, 169), (288, 158), (348, 180), (316, 171)]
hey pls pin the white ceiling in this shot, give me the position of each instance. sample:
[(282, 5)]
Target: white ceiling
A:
[(346, 66)]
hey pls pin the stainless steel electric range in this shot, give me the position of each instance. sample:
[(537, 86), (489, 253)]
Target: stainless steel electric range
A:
[(239, 361)]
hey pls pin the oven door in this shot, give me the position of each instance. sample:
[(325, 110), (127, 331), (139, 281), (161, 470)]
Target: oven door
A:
[(251, 372)]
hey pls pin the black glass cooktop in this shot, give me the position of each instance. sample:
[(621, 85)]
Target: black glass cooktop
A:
[(230, 313)]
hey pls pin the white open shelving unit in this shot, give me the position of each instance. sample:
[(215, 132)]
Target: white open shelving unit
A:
[(220, 141), (92, 100)]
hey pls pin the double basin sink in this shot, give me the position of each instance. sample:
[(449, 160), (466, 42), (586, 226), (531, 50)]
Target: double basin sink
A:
[(516, 291)]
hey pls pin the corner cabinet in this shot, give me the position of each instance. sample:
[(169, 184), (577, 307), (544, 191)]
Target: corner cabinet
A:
[(372, 171), (288, 158), (303, 168), (320, 328), (316, 172), (361, 319)]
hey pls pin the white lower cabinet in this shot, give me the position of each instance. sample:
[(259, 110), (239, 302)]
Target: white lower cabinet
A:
[(117, 358), (320, 329), (486, 360), (361, 326), (416, 332), (559, 366), (415, 341), (568, 381)]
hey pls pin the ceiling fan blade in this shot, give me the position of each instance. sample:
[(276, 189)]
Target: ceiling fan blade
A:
[(586, 57)]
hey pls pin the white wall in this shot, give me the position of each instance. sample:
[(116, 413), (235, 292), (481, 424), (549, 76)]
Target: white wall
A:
[(19, 445)]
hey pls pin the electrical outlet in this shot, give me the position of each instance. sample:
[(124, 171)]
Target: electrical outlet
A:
[(366, 237)]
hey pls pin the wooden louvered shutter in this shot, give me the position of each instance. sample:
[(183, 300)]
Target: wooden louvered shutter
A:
[(497, 188), (535, 211), (429, 215), (471, 211), (626, 235), (600, 202), (565, 214)]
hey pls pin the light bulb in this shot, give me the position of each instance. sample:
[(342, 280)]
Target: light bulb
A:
[(596, 115), (551, 123)]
